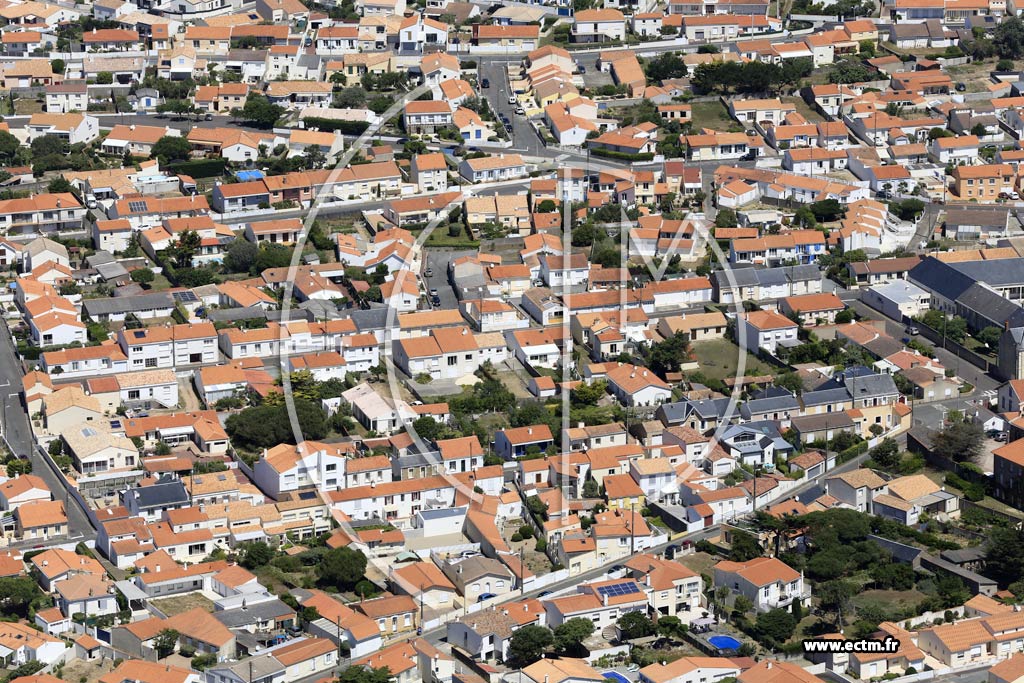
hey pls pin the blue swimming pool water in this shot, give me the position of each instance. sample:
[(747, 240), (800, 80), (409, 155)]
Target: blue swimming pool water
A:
[(725, 642), (616, 676)]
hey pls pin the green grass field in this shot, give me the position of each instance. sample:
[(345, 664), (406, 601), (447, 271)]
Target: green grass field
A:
[(719, 359)]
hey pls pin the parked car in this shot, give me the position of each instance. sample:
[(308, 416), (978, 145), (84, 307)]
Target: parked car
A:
[(486, 596), (485, 83), (512, 99), (520, 111), (433, 291), (436, 301), (751, 155), (912, 331), (670, 552), (429, 272), (960, 87), (543, 594), (583, 69)]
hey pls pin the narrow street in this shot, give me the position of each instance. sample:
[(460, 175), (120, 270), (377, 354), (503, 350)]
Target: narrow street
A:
[(18, 434)]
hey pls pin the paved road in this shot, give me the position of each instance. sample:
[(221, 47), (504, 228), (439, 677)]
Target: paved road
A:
[(524, 138), (964, 368), (437, 261), (18, 432)]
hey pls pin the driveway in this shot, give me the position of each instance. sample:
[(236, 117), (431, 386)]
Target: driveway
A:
[(437, 261)]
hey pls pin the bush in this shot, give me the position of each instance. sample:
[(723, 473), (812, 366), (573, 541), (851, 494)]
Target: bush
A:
[(199, 168), (331, 125), (516, 537), (526, 531), (609, 154), (542, 545)]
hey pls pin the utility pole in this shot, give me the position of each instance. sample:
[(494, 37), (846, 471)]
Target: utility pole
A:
[(632, 528)]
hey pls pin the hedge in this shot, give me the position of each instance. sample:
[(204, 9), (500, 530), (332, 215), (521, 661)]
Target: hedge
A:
[(199, 168), (609, 154), (332, 125), (852, 452)]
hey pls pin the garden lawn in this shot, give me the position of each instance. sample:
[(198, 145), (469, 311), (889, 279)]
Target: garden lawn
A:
[(718, 359)]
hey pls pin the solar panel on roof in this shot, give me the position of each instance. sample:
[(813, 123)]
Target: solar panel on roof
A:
[(616, 589), (137, 207), (139, 334)]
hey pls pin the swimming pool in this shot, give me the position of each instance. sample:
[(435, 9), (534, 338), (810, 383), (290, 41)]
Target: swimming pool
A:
[(616, 676), (724, 642)]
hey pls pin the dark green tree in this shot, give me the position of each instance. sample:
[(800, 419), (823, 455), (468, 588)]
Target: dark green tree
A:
[(342, 567), (165, 642), (743, 547), (527, 644), (635, 625), (960, 441), (569, 636), (777, 625), (143, 276), (363, 674), (256, 554), (171, 148), (241, 256)]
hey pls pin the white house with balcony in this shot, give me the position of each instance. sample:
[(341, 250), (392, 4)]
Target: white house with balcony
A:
[(766, 581)]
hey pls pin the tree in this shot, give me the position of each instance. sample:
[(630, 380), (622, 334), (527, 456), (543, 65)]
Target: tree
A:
[(172, 148), (58, 185), (979, 130), (260, 112), (743, 547), (591, 489), (886, 454), (184, 248), (867, 48), (17, 595), (742, 604), (361, 674), (256, 554), (104, 78), (527, 644), (241, 256), (350, 98), (789, 380), (165, 642), (10, 146), (314, 157), (936, 133), (990, 336), (588, 394), (267, 425), (960, 441), (45, 145), (546, 206), (1004, 557), (777, 625), (827, 210), (834, 596), (1008, 39), (635, 625), (844, 316), (143, 276), (570, 635), (726, 218), (671, 627), (342, 567), (57, 66), (849, 71), (272, 256), (668, 355)]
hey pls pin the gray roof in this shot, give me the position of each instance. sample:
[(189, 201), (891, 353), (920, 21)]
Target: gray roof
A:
[(472, 568), (986, 217), (706, 409), (817, 423), (997, 272), (868, 386), (371, 320), (824, 397), (251, 614), (939, 278), (775, 404), (228, 314), (989, 304), (253, 668), (745, 277), (162, 494), (141, 302)]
